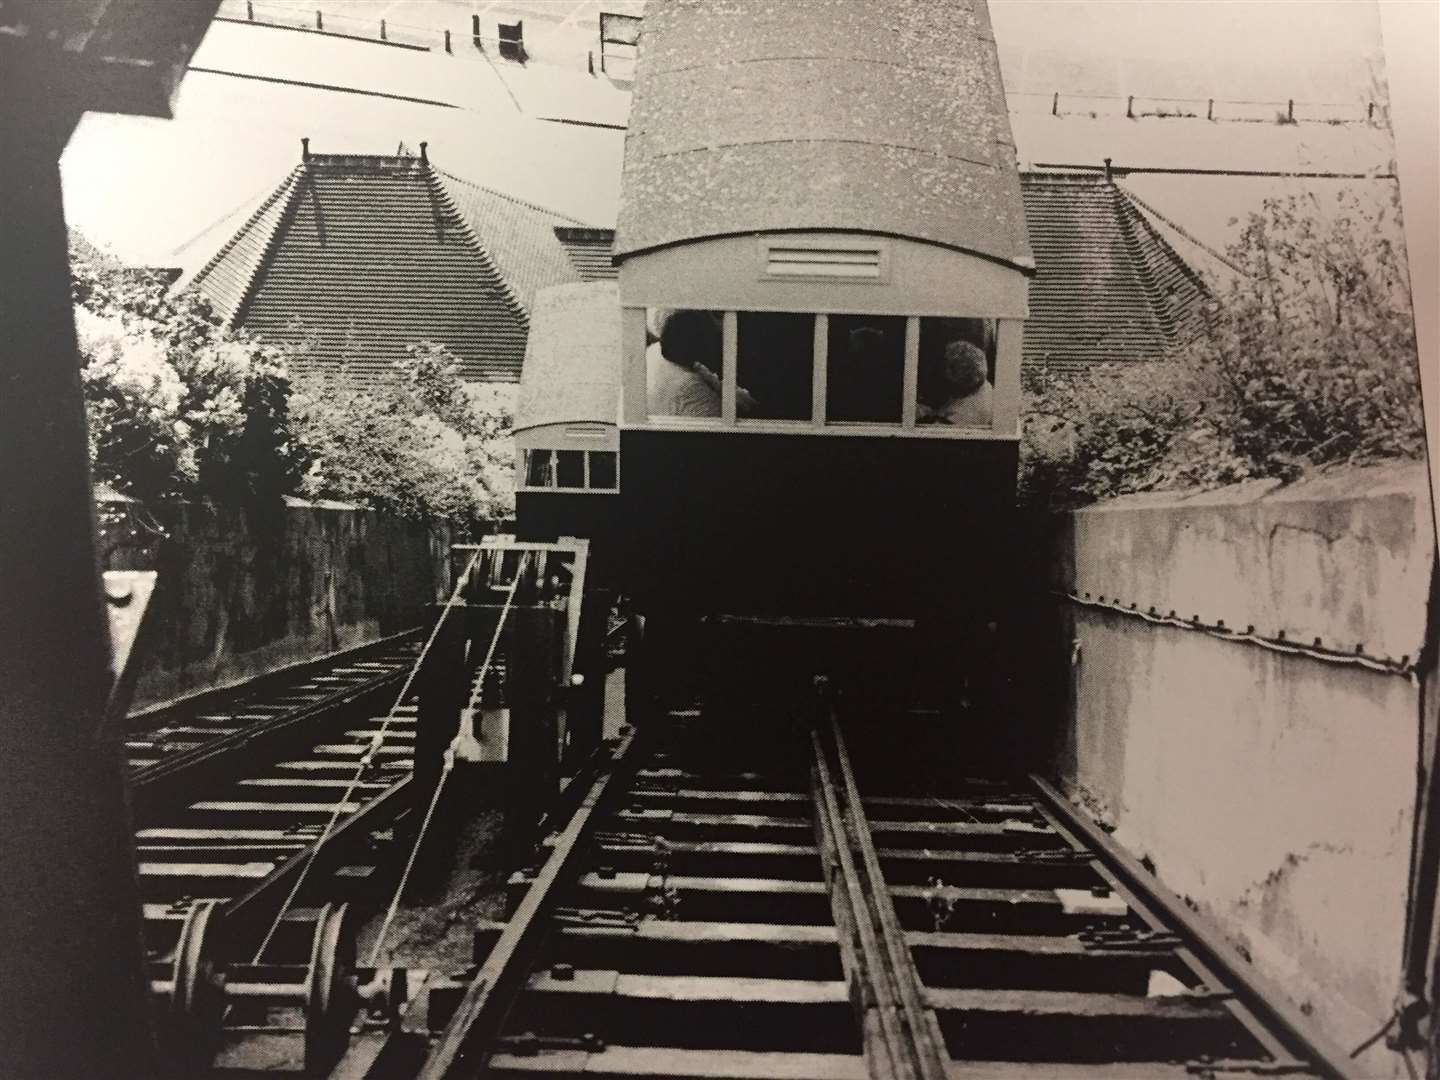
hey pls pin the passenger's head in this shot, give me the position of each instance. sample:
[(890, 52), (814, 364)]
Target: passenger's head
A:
[(691, 337), (962, 371)]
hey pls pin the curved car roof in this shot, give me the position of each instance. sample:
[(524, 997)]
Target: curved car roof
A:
[(884, 116), (572, 360)]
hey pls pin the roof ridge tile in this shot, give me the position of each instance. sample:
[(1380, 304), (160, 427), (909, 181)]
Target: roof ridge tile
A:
[(1181, 335), (283, 190), (507, 290), (573, 222), (268, 250), (1140, 267)]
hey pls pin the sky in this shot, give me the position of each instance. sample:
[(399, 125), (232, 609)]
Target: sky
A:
[(165, 192)]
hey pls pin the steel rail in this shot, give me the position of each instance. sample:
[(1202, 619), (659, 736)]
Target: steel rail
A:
[(389, 804), (1259, 992), (928, 1043), (847, 930), (877, 991), (172, 764), (482, 1010), (1209, 980), (142, 720)]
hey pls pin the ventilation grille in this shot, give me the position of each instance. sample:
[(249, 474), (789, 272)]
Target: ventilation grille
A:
[(857, 263), (588, 431)]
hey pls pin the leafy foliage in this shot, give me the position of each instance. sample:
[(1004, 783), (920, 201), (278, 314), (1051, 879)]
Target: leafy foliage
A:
[(1308, 359), (422, 446), (180, 407)]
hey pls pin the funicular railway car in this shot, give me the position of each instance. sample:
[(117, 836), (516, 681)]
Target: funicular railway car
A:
[(566, 442), (822, 281)]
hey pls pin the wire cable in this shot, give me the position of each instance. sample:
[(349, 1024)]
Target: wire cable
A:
[(447, 766), (1373, 1039), (366, 759), (1387, 665)]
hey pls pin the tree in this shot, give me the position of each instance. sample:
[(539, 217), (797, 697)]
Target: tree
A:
[(423, 445), (1307, 359), (1312, 358), (178, 405)]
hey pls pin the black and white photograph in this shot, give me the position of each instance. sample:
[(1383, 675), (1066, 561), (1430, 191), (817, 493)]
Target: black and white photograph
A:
[(719, 539)]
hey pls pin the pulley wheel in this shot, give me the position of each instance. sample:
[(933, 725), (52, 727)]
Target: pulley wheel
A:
[(329, 997)]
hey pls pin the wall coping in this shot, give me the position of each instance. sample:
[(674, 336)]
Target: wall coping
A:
[(1327, 485)]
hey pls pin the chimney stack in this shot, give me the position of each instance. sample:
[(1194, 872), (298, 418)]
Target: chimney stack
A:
[(424, 156), (305, 149), (1107, 171)]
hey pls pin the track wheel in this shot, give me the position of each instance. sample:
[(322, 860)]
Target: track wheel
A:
[(197, 1000), (330, 1001)]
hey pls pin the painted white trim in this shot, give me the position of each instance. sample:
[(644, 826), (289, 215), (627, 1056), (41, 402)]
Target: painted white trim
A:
[(1008, 344), (633, 393), (820, 385), (800, 427), (729, 351), (910, 391)]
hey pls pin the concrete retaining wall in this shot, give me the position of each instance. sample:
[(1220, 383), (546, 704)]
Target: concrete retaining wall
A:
[(243, 592), (1274, 791)]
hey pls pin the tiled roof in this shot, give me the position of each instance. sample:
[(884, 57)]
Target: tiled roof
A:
[(1107, 286), (361, 256), (591, 251), (520, 236), (882, 116), (572, 364), (230, 273)]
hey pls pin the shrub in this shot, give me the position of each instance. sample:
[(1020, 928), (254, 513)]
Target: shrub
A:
[(1307, 359), (177, 405), (180, 407), (423, 446)]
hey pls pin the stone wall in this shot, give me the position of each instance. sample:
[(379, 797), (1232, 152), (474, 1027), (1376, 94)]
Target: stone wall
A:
[(1273, 790), (244, 592)]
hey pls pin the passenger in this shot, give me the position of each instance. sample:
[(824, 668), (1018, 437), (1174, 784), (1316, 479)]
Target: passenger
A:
[(960, 395), (681, 366)]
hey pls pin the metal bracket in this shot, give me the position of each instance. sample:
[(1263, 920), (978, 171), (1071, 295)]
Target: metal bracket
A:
[(612, 918), (1127, 940), (1216, 1070), (1066, 856), (529, 1044)]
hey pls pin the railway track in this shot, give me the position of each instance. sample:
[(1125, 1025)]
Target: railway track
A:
[(694, 918), (240, 798), (695, 922), (168, 741)]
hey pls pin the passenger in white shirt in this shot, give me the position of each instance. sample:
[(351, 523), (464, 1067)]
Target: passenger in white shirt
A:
[(680, 368), (962, 395)]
